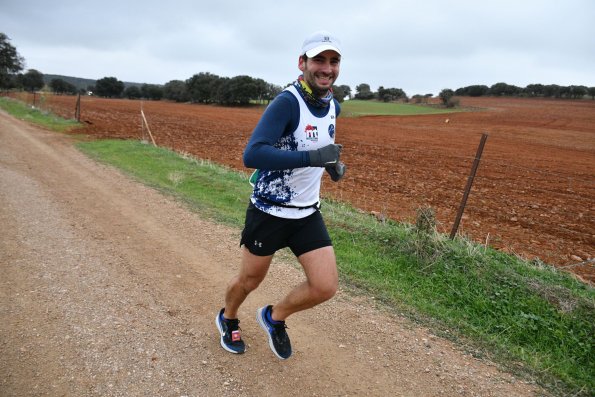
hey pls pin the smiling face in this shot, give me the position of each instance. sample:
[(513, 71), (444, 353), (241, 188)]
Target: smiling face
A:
[(320, 71)]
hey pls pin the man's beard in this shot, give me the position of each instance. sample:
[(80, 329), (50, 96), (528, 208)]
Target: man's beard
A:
[(317, 91)]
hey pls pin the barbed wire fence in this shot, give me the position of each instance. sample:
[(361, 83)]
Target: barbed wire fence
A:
[(537, 203)]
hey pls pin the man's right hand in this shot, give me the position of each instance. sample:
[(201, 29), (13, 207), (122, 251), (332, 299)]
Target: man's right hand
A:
[(326, 155)]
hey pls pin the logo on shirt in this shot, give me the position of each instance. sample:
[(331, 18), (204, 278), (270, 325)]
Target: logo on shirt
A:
[(331, 130), (311, 133)]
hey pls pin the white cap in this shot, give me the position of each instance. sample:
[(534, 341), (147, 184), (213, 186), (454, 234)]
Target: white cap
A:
[(320, 41)]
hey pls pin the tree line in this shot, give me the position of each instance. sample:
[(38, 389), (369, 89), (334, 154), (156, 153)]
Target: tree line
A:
[(204, 87), (531, 90), (447, 95), (364, 92)]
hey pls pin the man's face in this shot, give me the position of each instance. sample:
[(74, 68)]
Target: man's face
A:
[(321, 71)]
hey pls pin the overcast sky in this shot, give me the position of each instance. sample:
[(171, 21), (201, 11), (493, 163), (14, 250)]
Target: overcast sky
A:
[(421, 46)]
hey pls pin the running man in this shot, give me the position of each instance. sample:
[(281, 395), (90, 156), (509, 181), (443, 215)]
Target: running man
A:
[(290, 148)]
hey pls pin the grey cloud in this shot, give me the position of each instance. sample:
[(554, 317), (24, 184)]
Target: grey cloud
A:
[(418, 46)]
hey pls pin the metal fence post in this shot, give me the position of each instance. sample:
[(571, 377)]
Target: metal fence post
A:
[(455, 227)]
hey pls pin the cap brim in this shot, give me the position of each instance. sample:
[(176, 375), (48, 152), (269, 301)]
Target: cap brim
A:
[(317, 50)]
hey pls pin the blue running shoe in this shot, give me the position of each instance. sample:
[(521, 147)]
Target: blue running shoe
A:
[(278, 338), (231, 339)]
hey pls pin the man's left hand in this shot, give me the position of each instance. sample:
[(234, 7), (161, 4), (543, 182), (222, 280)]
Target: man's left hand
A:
[(336, 171)]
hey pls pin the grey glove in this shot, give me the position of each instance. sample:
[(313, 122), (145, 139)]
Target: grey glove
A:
[(336, 171), (326, 155)]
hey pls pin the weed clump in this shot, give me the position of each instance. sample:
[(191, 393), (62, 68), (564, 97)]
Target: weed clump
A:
[(426, 243)]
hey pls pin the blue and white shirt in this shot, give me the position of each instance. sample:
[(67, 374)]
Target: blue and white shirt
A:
[(286, 186)]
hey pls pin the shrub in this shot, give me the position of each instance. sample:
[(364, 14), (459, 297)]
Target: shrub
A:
[(452, 102)]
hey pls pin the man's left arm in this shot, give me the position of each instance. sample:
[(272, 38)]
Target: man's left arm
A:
[(337, 170)]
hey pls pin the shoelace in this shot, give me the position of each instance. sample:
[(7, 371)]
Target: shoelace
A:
[(233, 325), (280, 332)]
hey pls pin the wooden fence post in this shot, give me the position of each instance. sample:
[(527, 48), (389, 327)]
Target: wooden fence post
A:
[(142, 113), (77, 109)]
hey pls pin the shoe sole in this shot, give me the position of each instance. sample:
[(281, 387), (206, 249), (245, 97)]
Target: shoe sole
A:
[(259, 318), (222, 333)]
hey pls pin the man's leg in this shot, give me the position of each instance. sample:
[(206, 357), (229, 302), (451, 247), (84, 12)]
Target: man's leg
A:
[(253, 270), (321, 283)]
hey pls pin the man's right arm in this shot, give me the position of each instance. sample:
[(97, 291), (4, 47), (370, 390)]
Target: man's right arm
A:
[(281, 115)]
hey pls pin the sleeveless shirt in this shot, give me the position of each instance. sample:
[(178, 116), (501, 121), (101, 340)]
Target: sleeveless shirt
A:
[(294, 193)]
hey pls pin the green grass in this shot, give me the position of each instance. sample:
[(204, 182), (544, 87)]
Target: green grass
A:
[(36, 116), (529, 317), (355, 107)]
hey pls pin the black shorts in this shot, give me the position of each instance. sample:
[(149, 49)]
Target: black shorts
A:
[(265, 234)]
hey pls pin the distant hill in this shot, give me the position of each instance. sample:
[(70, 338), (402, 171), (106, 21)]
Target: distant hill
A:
[(79, 82)]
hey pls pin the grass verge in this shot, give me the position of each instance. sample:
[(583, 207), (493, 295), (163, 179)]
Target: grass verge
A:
[(38, 117), (526, 315), (215, 191)]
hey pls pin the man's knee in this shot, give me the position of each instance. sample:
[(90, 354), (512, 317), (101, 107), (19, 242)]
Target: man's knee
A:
[(249, 284), (254, 270), (324, 292)]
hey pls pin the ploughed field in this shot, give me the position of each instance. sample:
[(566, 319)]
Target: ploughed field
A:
[(533, 195)]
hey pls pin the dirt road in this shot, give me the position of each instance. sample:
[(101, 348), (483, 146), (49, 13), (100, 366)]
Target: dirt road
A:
[(108, 288)]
